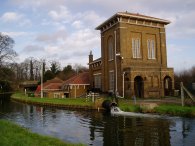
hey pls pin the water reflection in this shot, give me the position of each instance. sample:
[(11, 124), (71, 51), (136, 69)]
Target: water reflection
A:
[(93, 128)]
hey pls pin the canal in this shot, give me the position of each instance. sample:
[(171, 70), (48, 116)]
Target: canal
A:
[(101, 129)]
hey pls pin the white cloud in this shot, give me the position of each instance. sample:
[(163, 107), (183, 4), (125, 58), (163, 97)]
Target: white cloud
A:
[(16, 34), (32, 48), (67, 27), (11, 17), (77, 24), (90, 18), (52, 38), (62, 14), (14, 17), (35, 4)]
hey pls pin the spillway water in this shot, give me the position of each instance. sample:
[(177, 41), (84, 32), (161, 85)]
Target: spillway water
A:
[(117, 111)]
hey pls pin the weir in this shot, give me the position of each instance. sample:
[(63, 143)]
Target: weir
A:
[(115, 110)]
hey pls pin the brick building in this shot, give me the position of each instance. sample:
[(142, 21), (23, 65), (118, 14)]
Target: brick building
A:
[(77, 85), (133, 57)]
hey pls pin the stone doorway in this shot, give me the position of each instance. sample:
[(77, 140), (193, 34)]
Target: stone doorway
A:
[(139, 87), (167, 86)]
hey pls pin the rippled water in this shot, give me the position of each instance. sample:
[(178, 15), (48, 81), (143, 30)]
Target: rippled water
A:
[(98, 129)]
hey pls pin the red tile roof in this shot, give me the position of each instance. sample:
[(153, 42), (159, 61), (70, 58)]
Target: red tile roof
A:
[(53, 84), (81, 78), (54, 80)]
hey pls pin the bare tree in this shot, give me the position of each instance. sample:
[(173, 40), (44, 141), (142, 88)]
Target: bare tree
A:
[(6, 51)]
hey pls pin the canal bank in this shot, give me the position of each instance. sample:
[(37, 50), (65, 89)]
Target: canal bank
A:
[(168, 106), (12, 134), (100, 128), (68, 103)]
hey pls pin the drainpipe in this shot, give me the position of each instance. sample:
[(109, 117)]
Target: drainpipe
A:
[(116, 90), (123, 84)]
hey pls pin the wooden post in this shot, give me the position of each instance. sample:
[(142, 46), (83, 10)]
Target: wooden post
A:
[(93, 94), (182, 94)]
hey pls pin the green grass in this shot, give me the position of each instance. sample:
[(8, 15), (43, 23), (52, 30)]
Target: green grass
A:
[(168, 109), (129, 106), (65, 101), (175, 110), (14, 135)]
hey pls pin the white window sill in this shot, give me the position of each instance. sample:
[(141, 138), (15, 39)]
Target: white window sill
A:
[(110, 59)]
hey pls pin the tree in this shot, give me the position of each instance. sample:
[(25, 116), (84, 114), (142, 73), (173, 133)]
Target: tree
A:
[(6, 51), (55, 67), (79, 68), (67, 69), (48, 75), (66, 73), (7, 74), (31, 70)]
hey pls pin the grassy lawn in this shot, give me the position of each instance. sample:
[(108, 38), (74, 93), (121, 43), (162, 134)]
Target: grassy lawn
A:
[(129, 106), (14, 135), (65, 101), (176, 110)]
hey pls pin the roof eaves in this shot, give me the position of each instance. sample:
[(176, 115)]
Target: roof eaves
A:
[(133, 16)]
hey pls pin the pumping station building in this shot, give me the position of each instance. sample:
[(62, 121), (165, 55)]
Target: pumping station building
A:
[(133, 57)]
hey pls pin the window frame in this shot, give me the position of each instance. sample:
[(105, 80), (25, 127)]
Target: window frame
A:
[(111, 80), (136, 48), (97, 81), (110, 49), (151, 49)]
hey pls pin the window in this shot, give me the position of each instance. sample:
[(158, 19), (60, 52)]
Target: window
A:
[(110, 49), (56, 95), (97, 80), (111, 80), (136, 48), (151, 49)]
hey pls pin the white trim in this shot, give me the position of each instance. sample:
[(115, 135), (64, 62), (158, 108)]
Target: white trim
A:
[(144, 18), (121, 27), (51, 89), (110, 59), (95, 61), (97, 74), (144, 25), (109, 27), (78, 84)]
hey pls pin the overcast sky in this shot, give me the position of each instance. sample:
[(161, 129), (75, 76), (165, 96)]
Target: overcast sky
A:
[(64, 30)]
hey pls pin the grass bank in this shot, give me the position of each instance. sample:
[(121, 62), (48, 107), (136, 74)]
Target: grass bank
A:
[(175, 110), (163, 109), (14, 135), (79, 102), (129, 106), (124, 104)]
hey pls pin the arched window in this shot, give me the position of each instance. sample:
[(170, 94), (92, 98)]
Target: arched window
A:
[(110, 49)]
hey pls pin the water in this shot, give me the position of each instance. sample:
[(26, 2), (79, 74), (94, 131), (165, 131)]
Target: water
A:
[(101, 129), (116, 111)]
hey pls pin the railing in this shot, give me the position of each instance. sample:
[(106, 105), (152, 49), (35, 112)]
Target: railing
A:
[(92, 96), (186, 96)]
